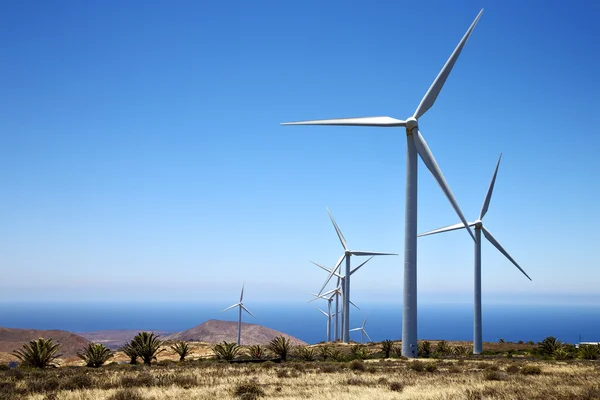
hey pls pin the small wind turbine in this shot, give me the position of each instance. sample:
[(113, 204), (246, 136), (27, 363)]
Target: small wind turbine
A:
[(340, 287), (415, 144), (478, 225), (241, 306), (346, 284), (328, 315), (362, 331)]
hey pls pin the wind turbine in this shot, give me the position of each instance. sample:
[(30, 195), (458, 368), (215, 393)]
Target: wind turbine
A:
[(346, 284), (338, 291), (329, 301), (478, 225), (328, 315), (241, 306), (415, 145), (362, 331)]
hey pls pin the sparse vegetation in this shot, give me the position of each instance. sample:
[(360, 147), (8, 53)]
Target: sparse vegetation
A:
[(39, 353), (280, 346), (182, 349), (95, 354)]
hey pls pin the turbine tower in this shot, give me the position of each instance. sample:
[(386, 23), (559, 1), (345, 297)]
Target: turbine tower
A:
[(362, 332), (328, 315), (415, 145), (346, 282), (241, 306), (478, 225)]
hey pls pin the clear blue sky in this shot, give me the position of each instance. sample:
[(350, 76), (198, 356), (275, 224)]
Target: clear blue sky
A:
[(141, 155)]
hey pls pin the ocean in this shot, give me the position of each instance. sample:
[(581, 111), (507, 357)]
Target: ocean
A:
[(570, 323)]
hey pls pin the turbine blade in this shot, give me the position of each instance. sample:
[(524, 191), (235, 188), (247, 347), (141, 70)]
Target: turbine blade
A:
[(332, 272), (432, 165), (354, 305), (338, 231), (326, 269), (364, 322), (493, 241), (323, 312), (248, 311), (371, 253), (488, 196), (365, 332), (356, 269), (439, 81), (449, 228), (230, 307), (242, 294), (355, 329), (363, 121)]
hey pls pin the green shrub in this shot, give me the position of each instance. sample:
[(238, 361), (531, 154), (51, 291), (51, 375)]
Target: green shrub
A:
[(461, 350), (387, 346), (280, 346), (38, 353), (548, 346), (130, 351), (306, 353), (430, 367), (424, 349), (337, 355), (417, 366), (256, 352), (226, 351), (147, 346), (589, 351), (95, 354), (359, 351), (324, 351), (182, 349), (443, 348), (357, 365)]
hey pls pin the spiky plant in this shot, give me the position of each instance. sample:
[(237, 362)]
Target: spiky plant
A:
[(280, 346), (443, 348), (548, 346), (147, 346), (460, 350), (424, 349), (38, 353), (359, 351), (226, 351), (130, 351), (306, 353), (589, 351), (256, 352), (387, 346), (397, 351), (324, 351), (337, 355), (561, 353), (182, 349), (95, 354)]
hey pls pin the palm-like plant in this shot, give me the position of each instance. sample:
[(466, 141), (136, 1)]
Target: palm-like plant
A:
[(387, 346), (38, 353), (324, 351), (589, 351), (443, 348), (549, 345), (359, 351), (337, 355), (281, 346), (182, 349), (226, 351), (424, 349), (256, 351), (130, 351), (460, 350), (95, 354), (306, 353), (147, 346)]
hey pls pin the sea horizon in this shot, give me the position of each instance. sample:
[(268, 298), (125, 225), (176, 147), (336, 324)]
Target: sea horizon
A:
[(509, 322)]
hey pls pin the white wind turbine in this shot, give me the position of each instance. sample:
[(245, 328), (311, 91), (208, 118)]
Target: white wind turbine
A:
[(338, 291), (478, 225), (328, 315), (363, 332), (241, 306), (415, 145), (346, 282)]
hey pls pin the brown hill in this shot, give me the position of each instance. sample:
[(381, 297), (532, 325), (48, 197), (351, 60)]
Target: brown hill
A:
[(215, 331), (12, 339), (113, 339)]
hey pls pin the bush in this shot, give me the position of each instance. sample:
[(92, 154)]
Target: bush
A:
[(355, 381), (126, 394), (443, 348), (430, 367), (589, 351), (461, 350), (324, 351), (226, 351), (141, 380), (249, 390), (256, 352), (38, 353), (182, 349), (95, 354), (337, 355), (424, 349), (357, 365), (306, 353), (329, 368), (548, 346), (396, 386), (359, 351), (531, 370), (387, 346), (78, 381), (280, 346), (130, 351), (493, 375), (513, 369), (147, 346), (417, 366)]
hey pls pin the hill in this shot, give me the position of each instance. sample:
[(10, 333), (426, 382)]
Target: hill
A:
[(12, 339), (215, 331)]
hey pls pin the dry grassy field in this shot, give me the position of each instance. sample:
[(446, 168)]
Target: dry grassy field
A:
[(453, 377)]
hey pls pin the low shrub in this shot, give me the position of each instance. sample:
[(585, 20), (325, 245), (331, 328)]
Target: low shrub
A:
[(513, 369), (430, 367), (126, 394), (396, 386), (531, 370), (356, 381), (493, 375), (248, 390), (143, 379), (357, 365), (417, 366), (78, 381)]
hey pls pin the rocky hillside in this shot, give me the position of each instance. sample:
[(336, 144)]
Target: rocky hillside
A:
[(12, 339), (215, 331)]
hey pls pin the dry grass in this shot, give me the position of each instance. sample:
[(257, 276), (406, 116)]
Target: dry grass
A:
[(381, 379)]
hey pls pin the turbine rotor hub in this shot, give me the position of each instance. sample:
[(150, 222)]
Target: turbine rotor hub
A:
[(411, 124), (478, 224)]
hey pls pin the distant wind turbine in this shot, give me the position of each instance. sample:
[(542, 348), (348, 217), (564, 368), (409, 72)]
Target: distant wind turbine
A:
[(362, 331), (346, 283), (478, 225), (241, 306), (415, 145), (328, 315)]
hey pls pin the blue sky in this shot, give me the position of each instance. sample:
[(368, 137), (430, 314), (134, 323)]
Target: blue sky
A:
[(141, 155)]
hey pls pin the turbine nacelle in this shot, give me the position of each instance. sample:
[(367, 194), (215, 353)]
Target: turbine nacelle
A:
[(411, 124), (478, 224)]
